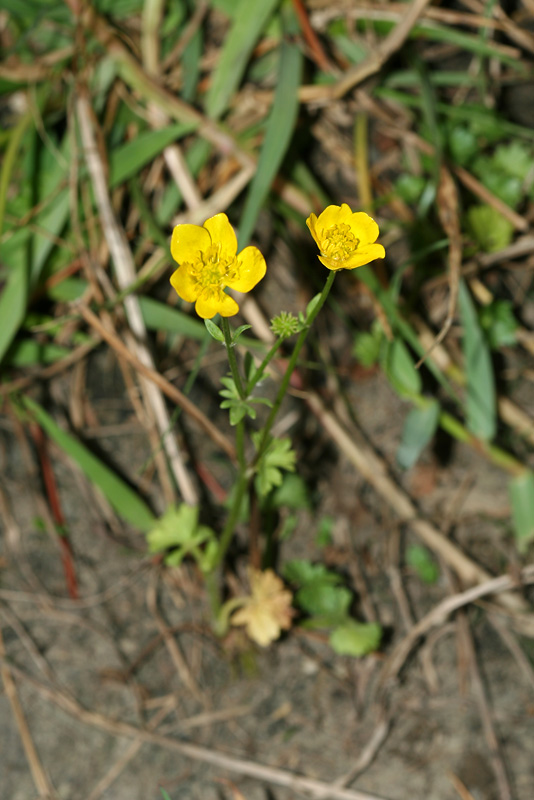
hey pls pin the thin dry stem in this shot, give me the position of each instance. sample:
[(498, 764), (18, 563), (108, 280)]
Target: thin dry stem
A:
[(125, 272)]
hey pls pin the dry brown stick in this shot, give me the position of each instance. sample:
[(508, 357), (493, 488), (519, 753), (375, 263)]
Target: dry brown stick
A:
[(509, 412), (368, 754), (447, 202), (174, 651), (40, 778), (125, 272), (50, 371), (374, 471), (484, 710), (393, 11), (167, 388), (520, 35), (442, 611), (478, 188), (113, 773), (514, 647), (319, 790), (380, 54), (47, 600)]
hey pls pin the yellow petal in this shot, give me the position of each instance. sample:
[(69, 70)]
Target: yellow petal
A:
[(331, 263), (311, 222), (183, 284), (364, 228), (222, 234), (251, 268), (333, 215), (188, 241), (361, 256), (212, 302)]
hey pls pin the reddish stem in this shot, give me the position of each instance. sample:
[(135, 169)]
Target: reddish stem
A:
[(56, 510), (316, 48)]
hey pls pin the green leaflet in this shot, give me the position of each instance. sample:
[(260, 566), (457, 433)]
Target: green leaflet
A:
[(480, 402)]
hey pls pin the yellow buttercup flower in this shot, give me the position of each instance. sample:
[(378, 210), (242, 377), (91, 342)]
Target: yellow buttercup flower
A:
[(267, 611), (345, 238), (208, 263)]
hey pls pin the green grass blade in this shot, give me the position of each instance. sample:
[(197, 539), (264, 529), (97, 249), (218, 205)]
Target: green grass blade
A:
[(481, 408), (30, 352), (521, 493), (8, 162), (468, 113), (12, 306), (126, 161), (280, 128), (249, 21), (122, 497)]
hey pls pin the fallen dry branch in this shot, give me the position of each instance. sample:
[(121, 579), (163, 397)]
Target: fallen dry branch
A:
[(319, 790), (441, 612), (40, 778), (373, 469), (125, 272), (167, 388)]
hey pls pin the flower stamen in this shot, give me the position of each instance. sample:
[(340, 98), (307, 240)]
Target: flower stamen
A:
[(339, 242)]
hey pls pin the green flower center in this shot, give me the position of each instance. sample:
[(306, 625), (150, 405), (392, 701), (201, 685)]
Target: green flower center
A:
[(212, 272), (339, 242)]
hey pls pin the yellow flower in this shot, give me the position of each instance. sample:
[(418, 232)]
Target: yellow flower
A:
[(208, 262), (267, 611), (345, 238)]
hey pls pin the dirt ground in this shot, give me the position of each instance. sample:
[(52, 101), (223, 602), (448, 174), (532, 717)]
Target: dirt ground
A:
[(137, 647)]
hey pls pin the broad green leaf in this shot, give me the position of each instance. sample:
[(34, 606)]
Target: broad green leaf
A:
[(400, 369), (419, 428), (367, 345), (249, 20), (278, 456), (356, 638), (292, 493), (176, 528), (521, 492), (410, 187), (419, 558), (499, 323), (280, 126), (126, 161), (122, 497), (463, 144), (323, 600), (515, 159), (491, 230), (302, 572), (480, 401)]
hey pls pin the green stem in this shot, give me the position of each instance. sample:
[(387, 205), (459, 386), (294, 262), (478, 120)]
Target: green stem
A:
[(232, 360), (233, 516), (258, 374), (240, 444), (292, 364)]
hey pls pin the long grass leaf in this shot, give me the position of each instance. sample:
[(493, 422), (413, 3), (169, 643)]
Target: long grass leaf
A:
[(481, 408), (126, 161), (521, 493), (12, 306), (249, 21), (122, 497), (280, 128)]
